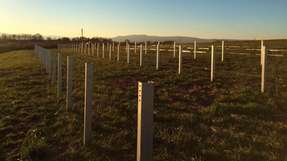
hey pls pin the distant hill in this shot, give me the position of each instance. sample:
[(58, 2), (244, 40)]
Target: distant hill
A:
[(178, 39)]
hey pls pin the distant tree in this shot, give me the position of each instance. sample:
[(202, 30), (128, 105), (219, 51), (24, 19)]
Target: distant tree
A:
[(64, 39), (37, 37)]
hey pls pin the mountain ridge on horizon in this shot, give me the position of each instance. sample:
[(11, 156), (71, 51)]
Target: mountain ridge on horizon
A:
[(143, 37)]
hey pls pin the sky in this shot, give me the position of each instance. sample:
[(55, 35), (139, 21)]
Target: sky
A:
[(239, 19)]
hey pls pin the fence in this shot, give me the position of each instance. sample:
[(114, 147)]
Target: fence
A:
[(95, 47), (53, 68)]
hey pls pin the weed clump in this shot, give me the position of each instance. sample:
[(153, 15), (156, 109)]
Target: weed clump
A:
[(35, 147)]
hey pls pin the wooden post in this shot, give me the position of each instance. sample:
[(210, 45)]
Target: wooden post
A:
[(110, 52), (118, 52), (179, 59), (157, 55), (174, 49), (263, 55), (194, 50), (141, 55), (88, 109), (222, 51), (69, 83), (145, 122), (212, 64), (59, 80)]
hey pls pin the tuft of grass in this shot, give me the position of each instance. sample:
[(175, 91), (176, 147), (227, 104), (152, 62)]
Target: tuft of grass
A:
[(35, 147)]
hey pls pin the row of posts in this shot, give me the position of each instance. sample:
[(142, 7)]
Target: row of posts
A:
[(145, 100), (91, 48), (145, 95)]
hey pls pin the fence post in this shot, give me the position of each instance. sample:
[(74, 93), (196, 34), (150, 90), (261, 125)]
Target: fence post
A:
[(194, 50), (54, 68), (88, 109), (97, 49), (59, 82), (145, 122), (128, 53), (141, 55), (174, 49), (135, 47), (118, 52), (222, 51), (69, 83), (179, 59), (145, 48), (263, 55), (103, 54), (113, 46), (157, 55), (212, 64), (262, 48), (110, 52)]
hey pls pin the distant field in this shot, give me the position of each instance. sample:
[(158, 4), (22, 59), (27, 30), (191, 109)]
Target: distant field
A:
[(227, 120), (10, 45)]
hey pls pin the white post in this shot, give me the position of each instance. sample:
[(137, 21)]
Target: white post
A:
[(263, 55), (179, 59), (88, 109), (145, 122), (174, 49), (222, 51), (194, 50), (118, 53), (262, 48), (212, 64), (69, 83), (110, 52), (145, 48), (59, 80), (157, 55), (141, 55)]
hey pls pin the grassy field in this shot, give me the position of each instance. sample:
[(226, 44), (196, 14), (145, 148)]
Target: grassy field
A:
[(196, 120)]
